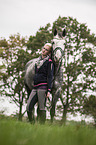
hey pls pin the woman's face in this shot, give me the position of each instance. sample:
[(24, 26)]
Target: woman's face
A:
[(45, 50)]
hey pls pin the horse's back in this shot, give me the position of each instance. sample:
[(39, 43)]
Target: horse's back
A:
[(30, 72)]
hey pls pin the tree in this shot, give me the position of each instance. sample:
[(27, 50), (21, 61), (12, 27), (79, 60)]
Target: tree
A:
[(43, 35), (89, 106), (79, 64), (14, 57)]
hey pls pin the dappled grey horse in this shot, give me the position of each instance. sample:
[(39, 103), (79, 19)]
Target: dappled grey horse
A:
[(57, 54), (58, 45)]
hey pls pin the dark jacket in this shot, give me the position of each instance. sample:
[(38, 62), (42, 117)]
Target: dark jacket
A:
[(44, 75)]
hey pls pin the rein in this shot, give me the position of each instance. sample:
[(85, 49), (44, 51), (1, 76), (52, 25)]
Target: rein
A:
[(60, 60)]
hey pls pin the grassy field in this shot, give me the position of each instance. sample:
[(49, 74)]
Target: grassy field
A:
[(13, 132)]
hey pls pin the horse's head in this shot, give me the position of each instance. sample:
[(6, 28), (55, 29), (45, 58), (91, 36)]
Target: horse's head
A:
[(58, 45)]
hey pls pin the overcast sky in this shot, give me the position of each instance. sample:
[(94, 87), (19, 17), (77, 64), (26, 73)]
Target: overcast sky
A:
[(26, 16)]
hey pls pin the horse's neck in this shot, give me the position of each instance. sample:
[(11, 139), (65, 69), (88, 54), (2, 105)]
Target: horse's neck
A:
[(57, 67), (58, 64)]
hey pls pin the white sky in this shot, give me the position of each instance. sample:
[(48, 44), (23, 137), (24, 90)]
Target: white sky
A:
[(26, 16)]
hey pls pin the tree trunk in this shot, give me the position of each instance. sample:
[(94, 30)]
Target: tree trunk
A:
[(64, 113), (20, 112), (66, 105), (95, 122), (20, 109)]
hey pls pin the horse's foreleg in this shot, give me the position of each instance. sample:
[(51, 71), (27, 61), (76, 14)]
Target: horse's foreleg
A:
[(54, 101)]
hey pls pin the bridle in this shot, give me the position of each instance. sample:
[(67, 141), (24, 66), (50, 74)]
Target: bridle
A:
[(60, 60), (56, 49)]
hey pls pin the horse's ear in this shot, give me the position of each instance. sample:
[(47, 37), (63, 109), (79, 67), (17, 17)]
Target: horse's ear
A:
[(64, 33), (55, 32)]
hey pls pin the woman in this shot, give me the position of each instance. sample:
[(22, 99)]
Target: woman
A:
[(44, 69)]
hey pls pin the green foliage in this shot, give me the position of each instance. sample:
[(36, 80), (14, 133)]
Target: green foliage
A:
[(43, 35), (79, 63), (14, 57), (14, 132), (89, 106)]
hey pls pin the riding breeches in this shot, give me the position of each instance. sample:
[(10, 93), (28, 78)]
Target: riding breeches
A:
[(37, 95)]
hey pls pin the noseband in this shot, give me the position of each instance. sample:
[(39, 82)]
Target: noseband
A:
[(58, 48), (55, 50)]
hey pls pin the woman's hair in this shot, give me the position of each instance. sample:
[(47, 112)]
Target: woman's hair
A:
[(50, 46)]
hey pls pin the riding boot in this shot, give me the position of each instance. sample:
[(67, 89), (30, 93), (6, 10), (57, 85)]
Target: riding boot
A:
[(42, 116), (38, 113), (52, 113), (30, 117)]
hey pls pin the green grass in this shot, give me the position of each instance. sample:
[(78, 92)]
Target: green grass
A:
[(13, 132)]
